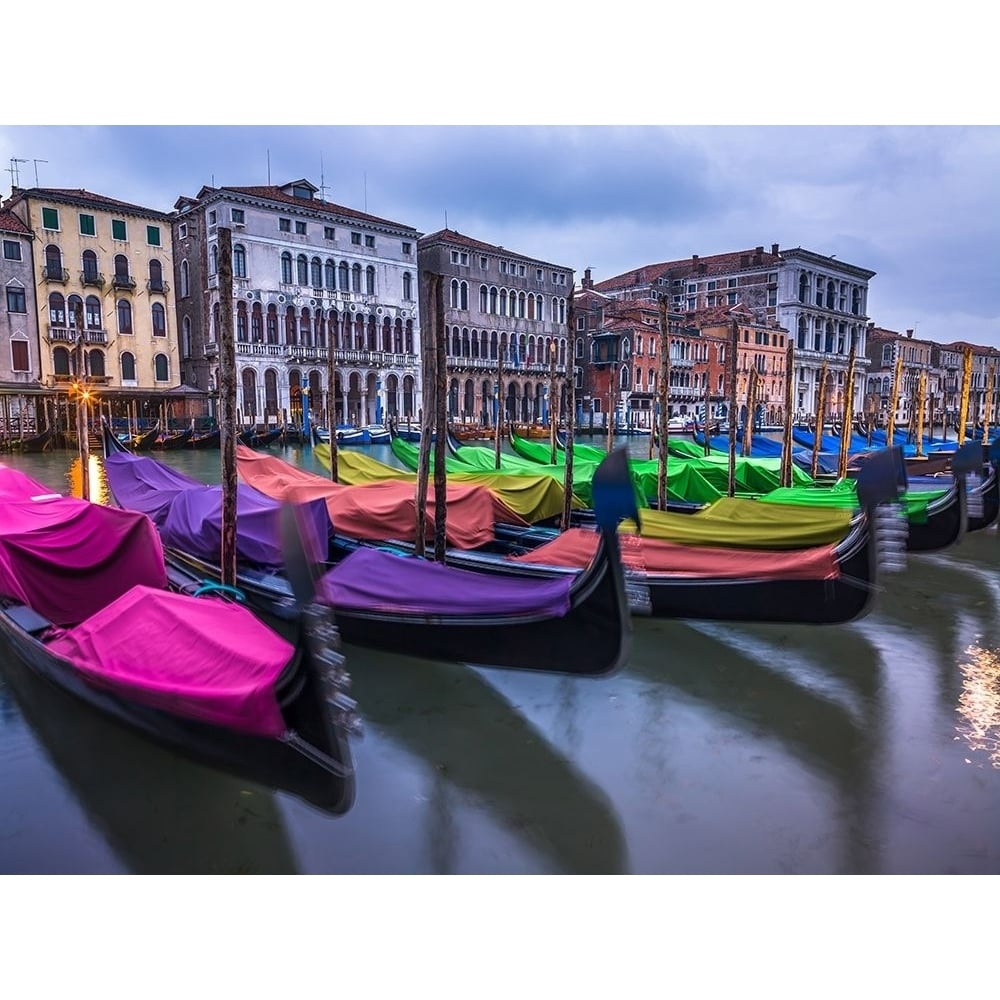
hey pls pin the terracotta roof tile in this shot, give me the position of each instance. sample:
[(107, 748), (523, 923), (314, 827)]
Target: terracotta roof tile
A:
[(723, 263), (10, 223), (274, 193), (77, 195), (460, 239)]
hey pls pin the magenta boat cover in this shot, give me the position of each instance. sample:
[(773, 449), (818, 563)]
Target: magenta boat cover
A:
[(189, 513), (67, 558), (371, 580), (200, 658), (16, 485)]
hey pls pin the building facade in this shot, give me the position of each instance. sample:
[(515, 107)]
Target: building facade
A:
[(820, 301), (106, 263), (505, 322), (308, 277), (20, 368)]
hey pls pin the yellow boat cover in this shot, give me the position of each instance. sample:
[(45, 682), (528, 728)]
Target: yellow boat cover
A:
[(739, 523), (535, 498)]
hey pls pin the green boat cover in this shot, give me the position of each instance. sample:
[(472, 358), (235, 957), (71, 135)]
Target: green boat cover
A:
[(733, 522), (534, 498), (844, 493)]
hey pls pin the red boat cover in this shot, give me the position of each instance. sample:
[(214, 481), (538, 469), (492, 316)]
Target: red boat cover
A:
[(382, 510), (653, 557), (67, 558), (200, 658), (369, 580)]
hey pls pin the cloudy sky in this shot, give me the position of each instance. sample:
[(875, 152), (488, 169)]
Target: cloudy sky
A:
[(915, 202)]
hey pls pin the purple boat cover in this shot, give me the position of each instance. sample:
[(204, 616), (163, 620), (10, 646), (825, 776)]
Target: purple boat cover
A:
[(189, 513), (371, 580), (67, 558), (200, 658)]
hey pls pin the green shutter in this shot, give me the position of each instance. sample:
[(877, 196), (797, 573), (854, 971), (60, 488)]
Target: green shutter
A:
[(50, 218), (153, 235), (118, 230), (87, 227)]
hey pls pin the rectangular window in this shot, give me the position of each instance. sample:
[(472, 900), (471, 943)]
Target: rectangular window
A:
[(503, 265), (19, 355), (213, 218), (460, 257), (300, 228), (407, 248), (370, 242), (730, 282), (692, 289), (11, 250), (581, 322), (285, 225), (15, 300), (329, 233), (521, 270), (50, 218), (731, 299), (484, 263), (153, 235), (119, 231), (182, 231), (87, 227), (356, 239), (711, 286), (772, 296), (237, 215)]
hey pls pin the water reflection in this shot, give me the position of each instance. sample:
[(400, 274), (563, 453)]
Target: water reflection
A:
[(979, 703), (158, 812), (476, 742)]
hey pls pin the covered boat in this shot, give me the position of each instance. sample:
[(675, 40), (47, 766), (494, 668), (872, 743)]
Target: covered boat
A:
[(87, 602)]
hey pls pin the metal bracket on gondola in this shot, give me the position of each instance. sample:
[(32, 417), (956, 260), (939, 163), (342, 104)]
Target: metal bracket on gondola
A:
[(891, 530), (323, 639), (974, 495)]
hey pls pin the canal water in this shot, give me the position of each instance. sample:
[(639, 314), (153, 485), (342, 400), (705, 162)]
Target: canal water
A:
[(871, 747)]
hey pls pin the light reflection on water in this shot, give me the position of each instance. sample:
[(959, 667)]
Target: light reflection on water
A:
[(719, 748)]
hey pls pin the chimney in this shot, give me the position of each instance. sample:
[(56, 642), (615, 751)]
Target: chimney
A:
[(909, 333), (694, 258), (745, 260), (587, 282), (759, 249), (774, 249)]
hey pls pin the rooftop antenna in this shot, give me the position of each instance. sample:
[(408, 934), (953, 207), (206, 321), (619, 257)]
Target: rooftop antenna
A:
[(322, 182), (446, 218), (15, 180), (269, 168), (36, 162)]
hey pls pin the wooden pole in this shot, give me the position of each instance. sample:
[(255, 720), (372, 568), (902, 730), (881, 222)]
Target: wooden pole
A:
[(663, 400), (734, 341), (552, 402), (82, 434), (847, 422), (786, 435), (570, 426), (615, 374), (430, 282), (708, 407), (227, 400), (990, 402), (331, 404), (963, 407), (498, 420), (820, 419), (751, 404), (921, 398), (897, 380), (441, 427)]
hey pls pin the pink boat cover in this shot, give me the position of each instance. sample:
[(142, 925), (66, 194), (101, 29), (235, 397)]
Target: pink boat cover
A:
[(370, 580), (654, 557), (67, 558), (382, 510), (200, 658)]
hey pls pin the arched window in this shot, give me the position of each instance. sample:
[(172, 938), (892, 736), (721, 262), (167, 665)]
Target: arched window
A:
[(185, 338), (286, 268), (161, 368), (128, 367), (331, 274), (453, 302), (95, 360), (302, 269), (483, 299), (124, 310), (241, 322), (121, 267), (831, 292), (579, 347), (801, 335), (272, 324), (73, 303), (539, 307), (356, 278), (213, 259), (345, 282), (803, 287), (257, 324), (89, 265), (92, 307), (464, 295), (290, 328), (503, 301), (159, 317), (57, 309), (155, 276), (493, 300), (316, 268), (60, 361), (53, 262), (239, 261), (407, 286), (370, 280), (185, 280)]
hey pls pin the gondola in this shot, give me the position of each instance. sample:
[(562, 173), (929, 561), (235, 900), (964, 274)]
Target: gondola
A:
[(255, 439), (37, 443), (88, 604), (567, 622), (172, 440), (146, 440)]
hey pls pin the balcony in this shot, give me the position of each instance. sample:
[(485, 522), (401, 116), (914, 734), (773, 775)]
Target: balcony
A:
[(158, 286), (59, 274), (68, 335), (92, 278), (123, 281)]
